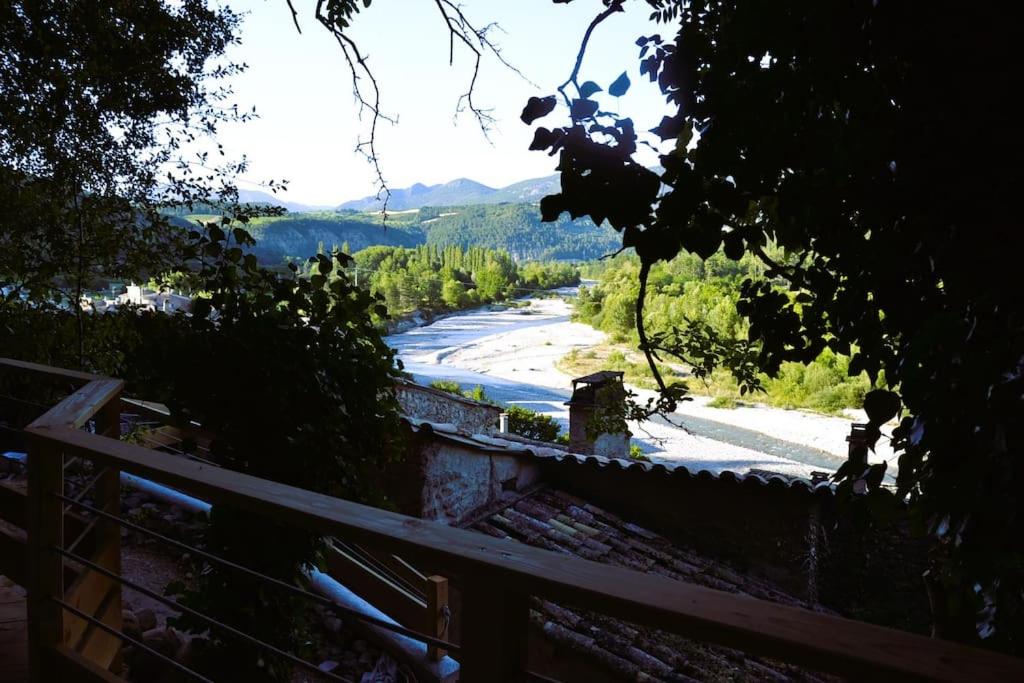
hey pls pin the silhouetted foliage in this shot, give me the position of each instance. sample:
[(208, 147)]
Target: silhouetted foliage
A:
[(832, 132)]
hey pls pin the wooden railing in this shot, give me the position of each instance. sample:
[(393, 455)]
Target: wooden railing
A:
[(496, 578)]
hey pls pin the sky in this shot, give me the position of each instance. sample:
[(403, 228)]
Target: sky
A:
[(308, 123)]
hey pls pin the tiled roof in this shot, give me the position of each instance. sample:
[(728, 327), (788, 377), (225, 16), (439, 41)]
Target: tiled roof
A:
[(560, 522), (556, 454)]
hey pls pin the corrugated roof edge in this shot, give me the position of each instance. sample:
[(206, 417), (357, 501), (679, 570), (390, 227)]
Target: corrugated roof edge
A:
[(493, 444)]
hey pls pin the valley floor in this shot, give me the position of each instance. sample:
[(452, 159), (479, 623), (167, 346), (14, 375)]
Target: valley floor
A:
[(513, 354)]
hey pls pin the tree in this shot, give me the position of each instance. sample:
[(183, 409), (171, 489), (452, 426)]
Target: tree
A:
[(832, 134), (289, 372), (98, 98)]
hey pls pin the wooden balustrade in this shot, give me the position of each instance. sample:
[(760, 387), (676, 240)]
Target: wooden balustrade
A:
[(496, 578)]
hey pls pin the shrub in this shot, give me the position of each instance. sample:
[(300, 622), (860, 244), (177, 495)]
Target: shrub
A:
[(531, 424), (447, 385)]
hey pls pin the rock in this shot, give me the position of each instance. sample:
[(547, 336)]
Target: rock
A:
[(132, 501), (146, 619), (130, 624), (174, 639), (332, 624), (366, 659), (158, 640), (360, 646)]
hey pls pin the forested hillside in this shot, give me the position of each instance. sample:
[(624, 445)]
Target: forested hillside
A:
[(517, 228), (513, 228)]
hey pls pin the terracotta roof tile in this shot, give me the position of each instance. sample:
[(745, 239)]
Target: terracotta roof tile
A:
[(558, 521)]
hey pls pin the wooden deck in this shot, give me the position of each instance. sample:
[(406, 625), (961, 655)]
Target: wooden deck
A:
[(13, 634)]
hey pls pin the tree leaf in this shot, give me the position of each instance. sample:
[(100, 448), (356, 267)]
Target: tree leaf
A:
[(881, 405), (619, 87), (537, 107), (589, 88), (583, 109)]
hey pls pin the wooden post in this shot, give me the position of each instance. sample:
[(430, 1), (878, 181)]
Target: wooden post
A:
[(494, 627), (45, 567), (438, 614)]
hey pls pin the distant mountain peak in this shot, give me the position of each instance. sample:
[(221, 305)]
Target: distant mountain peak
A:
[(458, 192)]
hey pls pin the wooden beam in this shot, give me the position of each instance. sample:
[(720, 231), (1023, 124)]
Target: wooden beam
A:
[(82, 377), (14, 554), (495, 624), (800, 636), (391, 599), (80, 407), (67, 666), (437, 614), (14, 511), (13, 505), (45, 567)]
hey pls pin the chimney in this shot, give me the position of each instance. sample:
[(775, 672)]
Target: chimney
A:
[(597, 397), (858, 440)]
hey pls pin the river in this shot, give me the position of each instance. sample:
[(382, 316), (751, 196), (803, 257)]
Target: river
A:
[(511, 353)]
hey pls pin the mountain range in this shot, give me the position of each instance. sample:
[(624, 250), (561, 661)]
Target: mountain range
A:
[(459, 192)]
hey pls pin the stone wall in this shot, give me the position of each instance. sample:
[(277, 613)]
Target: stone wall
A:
[(432, 405), (445, 481)]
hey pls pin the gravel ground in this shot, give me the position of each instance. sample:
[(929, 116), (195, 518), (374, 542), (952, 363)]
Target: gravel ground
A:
[(512, 354)]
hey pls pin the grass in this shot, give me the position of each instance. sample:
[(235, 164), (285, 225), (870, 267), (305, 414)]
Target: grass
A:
[(822, 386), (727, 402), (619, 357)]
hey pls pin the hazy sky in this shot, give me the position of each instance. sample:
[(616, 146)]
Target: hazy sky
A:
[(308, 125)]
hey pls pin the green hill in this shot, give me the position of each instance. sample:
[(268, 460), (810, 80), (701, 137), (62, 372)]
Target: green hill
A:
[(515, 228)]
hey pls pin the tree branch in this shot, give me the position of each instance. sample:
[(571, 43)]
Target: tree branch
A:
[(615, 6)]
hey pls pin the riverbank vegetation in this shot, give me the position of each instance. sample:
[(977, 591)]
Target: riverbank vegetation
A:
[(430, 278), (689, 291)]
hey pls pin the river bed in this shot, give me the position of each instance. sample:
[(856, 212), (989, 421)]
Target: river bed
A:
[(512, 353)]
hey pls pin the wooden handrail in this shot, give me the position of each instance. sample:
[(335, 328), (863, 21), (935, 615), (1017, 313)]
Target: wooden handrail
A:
[(786, 633), (81, 377), (498, 575)]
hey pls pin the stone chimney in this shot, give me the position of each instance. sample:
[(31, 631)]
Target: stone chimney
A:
[(597, 397)]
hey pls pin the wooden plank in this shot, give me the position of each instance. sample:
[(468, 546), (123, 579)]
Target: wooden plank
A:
[(99, 646), (391, 599), (14, 554), (173, 426), (87, 594), (82, 377), (69, 666), (495, 624), (14, 511), (437, 614), (80, 407), (45, 567), (786, 633), (13, 505)]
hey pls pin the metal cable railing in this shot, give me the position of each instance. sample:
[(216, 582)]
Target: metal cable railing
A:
[(128, 639), (325, 602), (380, 567), (175, 605)]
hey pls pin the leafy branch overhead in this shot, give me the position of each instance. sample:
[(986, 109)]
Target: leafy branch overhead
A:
[(818, 133)]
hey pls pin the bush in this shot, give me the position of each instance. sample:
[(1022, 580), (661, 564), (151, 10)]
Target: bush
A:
[(447, 385), (531, 424)]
